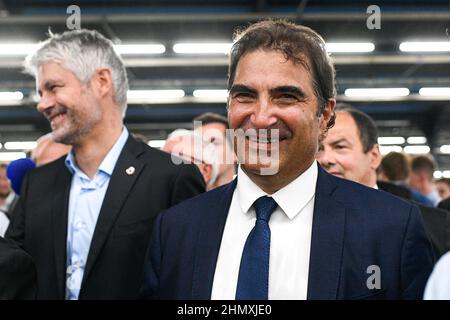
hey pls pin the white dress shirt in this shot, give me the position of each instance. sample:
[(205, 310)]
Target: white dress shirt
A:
[(290, 242), (4, 223), (438, 286)]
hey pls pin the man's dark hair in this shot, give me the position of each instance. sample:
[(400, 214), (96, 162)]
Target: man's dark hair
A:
[(298, 44), (367, 129), (444, 180), (423, 164), (395, 166), (209, 117)]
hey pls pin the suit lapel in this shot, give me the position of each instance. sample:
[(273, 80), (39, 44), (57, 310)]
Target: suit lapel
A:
[(208, 242), (119, 186), (59, 211), (326, 242)]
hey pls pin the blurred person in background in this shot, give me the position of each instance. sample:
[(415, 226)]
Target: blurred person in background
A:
[(7, 195), (443, 188), (351, 151), (192, 148), (395, 168), (213, 127), (47, 150), (7, 199), (421, 179)]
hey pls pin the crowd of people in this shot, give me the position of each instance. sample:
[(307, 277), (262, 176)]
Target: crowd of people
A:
[(286, 197)]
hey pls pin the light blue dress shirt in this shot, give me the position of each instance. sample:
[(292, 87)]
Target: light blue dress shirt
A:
[(85, 201)]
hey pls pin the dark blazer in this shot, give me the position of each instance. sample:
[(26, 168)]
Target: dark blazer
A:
[(17, 273), (445, 204), (396, 190), (354, 227), (114, 266), (436, 221)]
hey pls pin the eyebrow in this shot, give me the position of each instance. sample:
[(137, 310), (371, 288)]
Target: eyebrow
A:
[(47, 85), (340, 141), (288, 89), (241, 88)]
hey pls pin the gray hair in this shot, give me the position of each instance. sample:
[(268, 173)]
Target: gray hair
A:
[(207, 154), (82, 52)]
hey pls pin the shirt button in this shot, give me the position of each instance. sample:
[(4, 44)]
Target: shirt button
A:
[(70, 270), (80, 225)]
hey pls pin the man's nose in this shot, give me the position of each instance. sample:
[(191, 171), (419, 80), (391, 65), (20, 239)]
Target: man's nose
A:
[(325, 158), (46, 102), (263, 116)]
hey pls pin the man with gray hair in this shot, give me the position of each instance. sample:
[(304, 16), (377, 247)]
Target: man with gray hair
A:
[(86, 218), (190, 147)]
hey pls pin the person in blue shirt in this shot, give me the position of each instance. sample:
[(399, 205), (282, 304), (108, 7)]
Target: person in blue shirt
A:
[(86, 218)]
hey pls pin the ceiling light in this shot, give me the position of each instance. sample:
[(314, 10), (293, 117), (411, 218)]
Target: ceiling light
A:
[(435, 92), (416, 149), (437, 174), (386, 149), (139, 49), (445, 149), (11, 156), (391, 140), (20, 145), (220, 95), (19, 49), (416, 140), (377, 92), (11, 96), (425, 46), (206, 93)]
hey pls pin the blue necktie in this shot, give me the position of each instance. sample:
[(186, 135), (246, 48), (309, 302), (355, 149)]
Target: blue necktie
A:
[(253, 281)]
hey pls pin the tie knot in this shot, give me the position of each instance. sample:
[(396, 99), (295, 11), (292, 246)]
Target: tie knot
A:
[(264, 206)]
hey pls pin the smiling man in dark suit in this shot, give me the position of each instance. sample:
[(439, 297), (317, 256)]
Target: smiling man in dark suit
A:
[(351, 151), (286, 229), (86, 218)]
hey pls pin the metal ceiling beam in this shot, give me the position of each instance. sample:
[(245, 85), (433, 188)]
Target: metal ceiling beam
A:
[(221, 83), (4, 12), (190, 100), (223, 61), (261, 5), (228, 17)]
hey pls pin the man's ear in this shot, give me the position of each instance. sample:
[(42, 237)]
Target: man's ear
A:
[(328, 111), (326, 118), (375, 157), (206, 171), (103, 81)]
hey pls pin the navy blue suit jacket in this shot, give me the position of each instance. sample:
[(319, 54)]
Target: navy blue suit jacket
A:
[(354, 227)]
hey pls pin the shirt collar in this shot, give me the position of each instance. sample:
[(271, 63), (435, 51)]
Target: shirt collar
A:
[(108, 163), (291, 199)]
